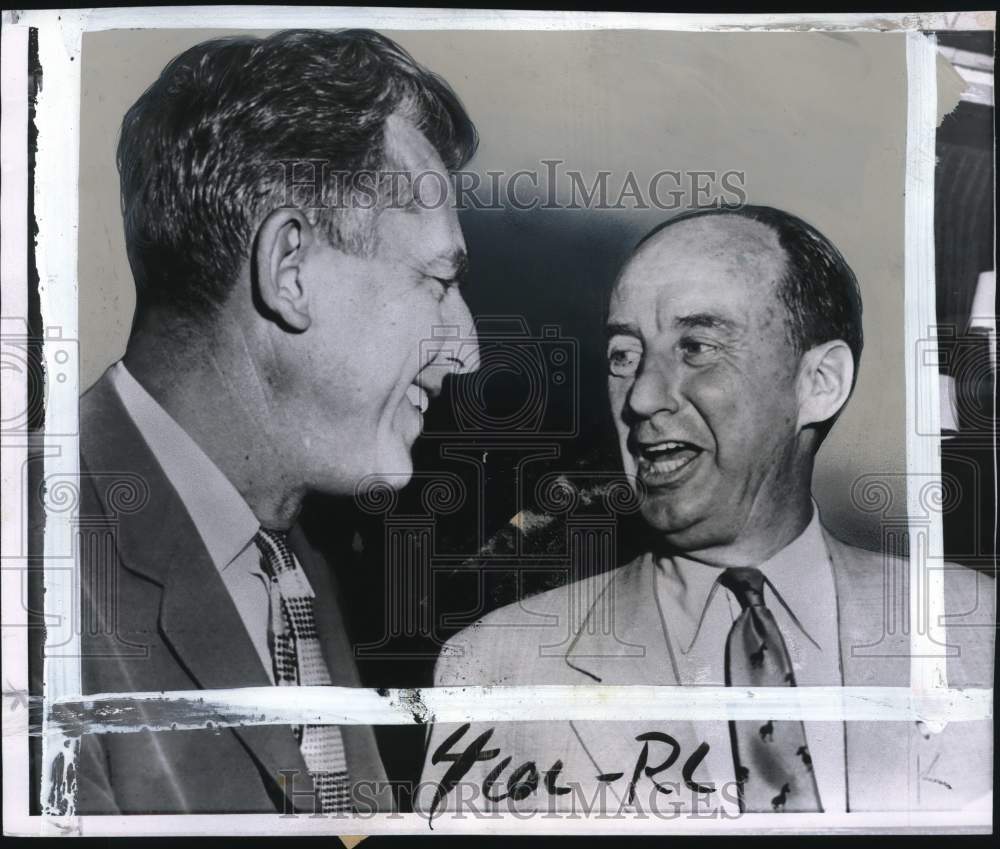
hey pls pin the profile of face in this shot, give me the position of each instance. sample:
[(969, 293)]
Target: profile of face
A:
[(382, 330), (703, 380)]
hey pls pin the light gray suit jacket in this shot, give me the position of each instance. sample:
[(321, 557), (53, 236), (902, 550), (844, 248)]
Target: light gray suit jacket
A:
[(607, 629)]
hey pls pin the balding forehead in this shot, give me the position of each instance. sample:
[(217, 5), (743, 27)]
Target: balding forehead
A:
[(701, 266), (719, 233), (727, 243)]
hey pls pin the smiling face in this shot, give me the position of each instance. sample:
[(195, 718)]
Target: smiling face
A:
[(702, 383), (363, 374)]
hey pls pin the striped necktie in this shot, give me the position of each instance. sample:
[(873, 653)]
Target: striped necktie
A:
[(773, 766), (297, 658)]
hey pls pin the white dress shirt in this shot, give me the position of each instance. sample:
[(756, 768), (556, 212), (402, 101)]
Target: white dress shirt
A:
[(803, 576), (223, 519)]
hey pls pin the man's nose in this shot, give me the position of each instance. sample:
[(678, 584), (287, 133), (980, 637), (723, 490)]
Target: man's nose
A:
[(462, 351), (656, 389)]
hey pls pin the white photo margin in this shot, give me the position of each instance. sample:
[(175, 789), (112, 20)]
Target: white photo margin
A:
[(57, 210)]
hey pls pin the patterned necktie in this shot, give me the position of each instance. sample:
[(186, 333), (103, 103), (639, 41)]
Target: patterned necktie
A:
[(297, 658), (773, 766)]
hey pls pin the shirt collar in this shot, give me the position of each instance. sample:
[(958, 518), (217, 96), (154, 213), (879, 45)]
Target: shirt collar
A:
[(691, 582), (806, 552), (223, 519)]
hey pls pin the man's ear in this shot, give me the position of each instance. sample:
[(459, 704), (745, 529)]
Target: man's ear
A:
[(826, 373), (283, 241)]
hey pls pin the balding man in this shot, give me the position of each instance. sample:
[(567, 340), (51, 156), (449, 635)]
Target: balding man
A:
[(734, 340)]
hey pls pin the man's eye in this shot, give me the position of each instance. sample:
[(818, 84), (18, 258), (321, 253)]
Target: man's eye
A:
[(623, 362), (695, 350)]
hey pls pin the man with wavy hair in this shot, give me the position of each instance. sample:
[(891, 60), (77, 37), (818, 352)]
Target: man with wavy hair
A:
[(282, 345)]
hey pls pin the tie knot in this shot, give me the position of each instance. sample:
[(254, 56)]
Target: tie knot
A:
[(746, 583), (276, 556)]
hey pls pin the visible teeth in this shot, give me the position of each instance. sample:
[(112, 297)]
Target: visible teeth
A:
[(667, 465), (666, 446), (664, 458), (418, 397)]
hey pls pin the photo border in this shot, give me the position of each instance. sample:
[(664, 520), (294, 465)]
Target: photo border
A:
[(57, 210)]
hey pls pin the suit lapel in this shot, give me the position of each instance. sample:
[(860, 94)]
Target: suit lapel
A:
[(878, 753), (622, 640), (869, 655), (620, 637), (196, 610), (198, 619), (887, 762)]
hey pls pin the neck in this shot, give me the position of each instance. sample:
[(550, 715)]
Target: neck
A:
[(209, 385)]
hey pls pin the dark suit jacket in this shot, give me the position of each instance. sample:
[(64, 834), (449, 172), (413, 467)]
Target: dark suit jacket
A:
[(157, 616), (563, 637)]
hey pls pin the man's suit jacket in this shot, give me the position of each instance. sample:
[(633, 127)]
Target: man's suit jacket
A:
[(157, 616), (607, 629)]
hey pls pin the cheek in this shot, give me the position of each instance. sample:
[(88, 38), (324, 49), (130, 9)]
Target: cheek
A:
[(763, 426), (395, 336), (743, 412), (720, 395), (413, 315)]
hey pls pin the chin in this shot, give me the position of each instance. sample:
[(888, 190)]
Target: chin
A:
[(394, 465), (694, 535), (400, 479), (681, 526)]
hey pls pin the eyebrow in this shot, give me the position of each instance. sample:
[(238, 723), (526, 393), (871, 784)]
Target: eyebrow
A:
[(698, 319), (705, 320), (621, 329)]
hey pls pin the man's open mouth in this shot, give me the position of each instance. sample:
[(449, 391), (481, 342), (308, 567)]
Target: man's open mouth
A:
[(659, 461)]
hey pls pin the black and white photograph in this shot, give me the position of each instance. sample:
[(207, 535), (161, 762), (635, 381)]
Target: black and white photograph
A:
[(478, 422)]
